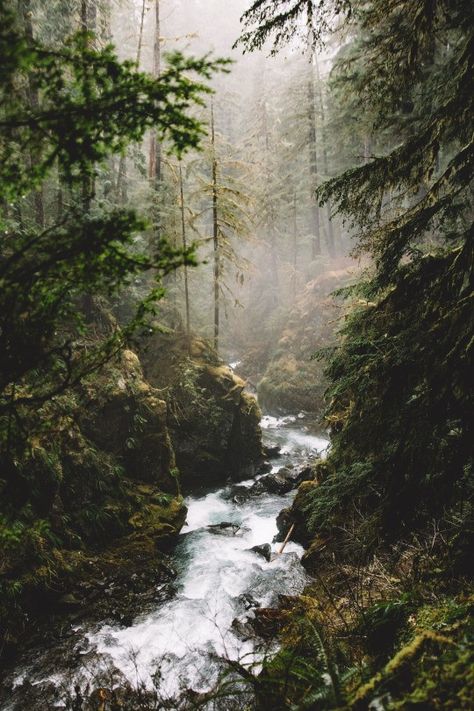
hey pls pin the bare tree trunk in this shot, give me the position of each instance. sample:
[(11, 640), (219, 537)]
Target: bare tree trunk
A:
[(295, 244), (313, 165), (84, 15), (155, 147), (33, 99), (215, 234), (269, 201), (330, 237), (87, 21), (185, 246), (140, 34), (121, 188)]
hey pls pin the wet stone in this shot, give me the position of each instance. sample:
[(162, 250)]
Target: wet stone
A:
[(264, 550), (242, 629), (264, 468), (272, 452), (248, 601), (272, 484), (227, 528)]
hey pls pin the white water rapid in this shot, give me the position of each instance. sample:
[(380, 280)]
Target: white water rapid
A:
[(219, 580), (215, 574)]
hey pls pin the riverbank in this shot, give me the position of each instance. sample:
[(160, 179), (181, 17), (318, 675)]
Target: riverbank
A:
[(197, 611)]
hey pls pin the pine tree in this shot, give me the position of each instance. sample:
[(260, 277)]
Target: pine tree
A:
[(399, 397), (88, 107)]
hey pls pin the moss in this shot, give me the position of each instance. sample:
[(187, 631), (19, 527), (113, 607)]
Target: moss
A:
[(160, 516), (434, 669), (293, 380), (101, 482), (213, 422)]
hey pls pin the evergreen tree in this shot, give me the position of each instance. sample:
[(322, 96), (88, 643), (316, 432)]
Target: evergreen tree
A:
[(84, 107), (399, 397)]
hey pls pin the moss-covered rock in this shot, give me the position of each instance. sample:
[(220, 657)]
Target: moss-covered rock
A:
[(107, 482), (296, 514), (127, 418), (214, 423)]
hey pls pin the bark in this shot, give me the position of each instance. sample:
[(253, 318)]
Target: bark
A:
[(330, 236), (122, 177), (215, 235), (313, 164), (155, 147), (271, 210), (295, 244), (87, 22), (185, 246), (140, 34), (33, 100)]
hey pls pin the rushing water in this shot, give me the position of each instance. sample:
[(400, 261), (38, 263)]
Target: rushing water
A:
[(219, 580)]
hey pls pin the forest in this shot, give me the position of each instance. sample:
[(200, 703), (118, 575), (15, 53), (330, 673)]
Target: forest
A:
[(236, 340)]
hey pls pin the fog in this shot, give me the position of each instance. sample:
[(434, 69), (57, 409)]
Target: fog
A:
[(275, 142)]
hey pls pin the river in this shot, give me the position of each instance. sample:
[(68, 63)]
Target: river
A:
[(219, 584)]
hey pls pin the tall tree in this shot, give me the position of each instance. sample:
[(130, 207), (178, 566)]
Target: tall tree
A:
[(393, 410), (313, 158), (215, 235), (185, 250), (155, 167), (89, 106)]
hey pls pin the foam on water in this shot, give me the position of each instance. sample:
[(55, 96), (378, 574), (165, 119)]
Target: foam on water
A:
[(219, 569), (184, 636)]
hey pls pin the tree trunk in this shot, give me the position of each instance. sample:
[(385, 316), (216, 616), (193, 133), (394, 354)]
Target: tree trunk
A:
[(295, 244), (330, 236), (155, 147), (87, 22), (271, 212), (140, 34), (185, 246), (313, 164), (215, 234), (33, 99), (121, 188)]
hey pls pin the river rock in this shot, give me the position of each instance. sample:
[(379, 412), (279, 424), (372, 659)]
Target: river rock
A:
[(272, 484), (243, 629), (284, 522), (272, 452), (248, 601), (265, 550), (264, 468), (69, 600), (227, 528), (117, 400), (213, 421)]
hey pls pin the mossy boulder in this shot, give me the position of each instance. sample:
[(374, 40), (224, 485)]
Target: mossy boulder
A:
[(127, 418), (213, 422), (107, 480)]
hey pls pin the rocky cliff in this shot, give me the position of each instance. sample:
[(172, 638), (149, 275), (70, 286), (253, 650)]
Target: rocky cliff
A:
[(214, 423)]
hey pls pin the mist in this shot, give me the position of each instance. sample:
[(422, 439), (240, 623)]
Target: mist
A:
[(275, 142), (236, 354)]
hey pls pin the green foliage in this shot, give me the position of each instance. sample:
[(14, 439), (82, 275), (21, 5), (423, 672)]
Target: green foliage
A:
[(382, 622), (399, 397), (63, 112), (67, 249), (432, 670), (302, 675), (283, 20)]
